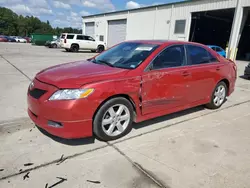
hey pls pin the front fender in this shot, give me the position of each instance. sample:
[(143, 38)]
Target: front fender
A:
[(106, 89)]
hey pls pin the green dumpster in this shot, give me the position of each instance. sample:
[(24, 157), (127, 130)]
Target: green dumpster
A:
[(40, 39)]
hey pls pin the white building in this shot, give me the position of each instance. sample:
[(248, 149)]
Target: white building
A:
[(216, 22)]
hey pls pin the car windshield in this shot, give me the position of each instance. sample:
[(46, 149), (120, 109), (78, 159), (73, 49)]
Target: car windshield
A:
[(127, 55)]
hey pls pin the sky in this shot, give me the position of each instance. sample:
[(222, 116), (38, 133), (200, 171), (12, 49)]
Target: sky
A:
[(67, 13)]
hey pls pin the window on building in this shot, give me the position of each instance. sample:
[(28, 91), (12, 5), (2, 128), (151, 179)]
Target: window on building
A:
[(171, 57), (180, 26), (101, 38), (199, 55)]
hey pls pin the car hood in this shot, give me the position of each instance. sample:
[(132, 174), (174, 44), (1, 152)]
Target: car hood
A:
[(76, 74)]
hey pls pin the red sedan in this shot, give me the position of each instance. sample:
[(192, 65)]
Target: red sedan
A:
[(131, 82), (3, 39)]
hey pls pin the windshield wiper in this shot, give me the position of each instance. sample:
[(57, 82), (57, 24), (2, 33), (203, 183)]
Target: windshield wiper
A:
[(105, 62)]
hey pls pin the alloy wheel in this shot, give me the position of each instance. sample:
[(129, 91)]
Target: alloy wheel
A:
[(219, 95), (116, 120)]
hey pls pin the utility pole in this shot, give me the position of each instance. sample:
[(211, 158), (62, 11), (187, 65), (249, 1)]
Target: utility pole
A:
[(237, 22)]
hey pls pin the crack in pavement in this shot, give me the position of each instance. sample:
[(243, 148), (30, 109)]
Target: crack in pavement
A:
[(147, 174), (50, 163), (19, 70), (120, 141)]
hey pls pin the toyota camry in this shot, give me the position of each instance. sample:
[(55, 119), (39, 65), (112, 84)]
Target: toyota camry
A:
[(131, 82)]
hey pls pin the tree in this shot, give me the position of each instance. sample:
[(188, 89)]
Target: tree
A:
[(12, 24)]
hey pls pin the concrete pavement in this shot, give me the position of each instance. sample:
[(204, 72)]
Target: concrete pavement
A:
[(19, 63), (190, 149), (208, 151)]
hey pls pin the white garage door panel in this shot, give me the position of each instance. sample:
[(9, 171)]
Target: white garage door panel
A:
[(90, 29), (116, 32)]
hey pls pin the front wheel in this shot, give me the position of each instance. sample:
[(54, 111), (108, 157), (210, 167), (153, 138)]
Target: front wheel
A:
[(54, 45), (219, 96), (114, 119)]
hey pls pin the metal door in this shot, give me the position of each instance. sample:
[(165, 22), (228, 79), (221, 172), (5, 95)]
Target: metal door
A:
[(117, 31), (90, 29)]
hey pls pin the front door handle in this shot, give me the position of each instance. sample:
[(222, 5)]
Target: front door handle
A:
[(185, 74), (217, 68)]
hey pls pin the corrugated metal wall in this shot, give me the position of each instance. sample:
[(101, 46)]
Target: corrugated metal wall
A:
[(159, 22)]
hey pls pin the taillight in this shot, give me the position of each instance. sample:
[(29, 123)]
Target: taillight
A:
[(65, 40)]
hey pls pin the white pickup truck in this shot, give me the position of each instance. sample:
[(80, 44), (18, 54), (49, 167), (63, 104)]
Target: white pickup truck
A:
[(74, 42)]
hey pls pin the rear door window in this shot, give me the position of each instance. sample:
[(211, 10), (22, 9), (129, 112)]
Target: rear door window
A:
[(213, 48), (70, 36), (80, 37), (89, 38), (198, 55), (218, 49)]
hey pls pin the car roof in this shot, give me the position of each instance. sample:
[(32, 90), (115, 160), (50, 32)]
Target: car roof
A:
[(71, 34), (165, 42), (210, 46)]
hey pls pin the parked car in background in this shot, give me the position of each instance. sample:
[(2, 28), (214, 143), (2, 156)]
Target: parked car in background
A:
[(74, 42), (132, 82), (20, 39), (218, 49), (53, 43), (10, 39), (28, 39), (3, 39), (247, 71)]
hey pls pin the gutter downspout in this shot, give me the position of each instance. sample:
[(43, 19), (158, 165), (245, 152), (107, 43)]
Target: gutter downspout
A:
[(170, 24)]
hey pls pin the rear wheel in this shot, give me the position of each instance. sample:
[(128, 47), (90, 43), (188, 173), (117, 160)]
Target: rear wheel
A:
[(114, 119), (74, 48), (100, 48), (219, 96)]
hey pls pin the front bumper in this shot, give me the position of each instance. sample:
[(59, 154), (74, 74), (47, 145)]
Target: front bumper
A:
[(73, 115)]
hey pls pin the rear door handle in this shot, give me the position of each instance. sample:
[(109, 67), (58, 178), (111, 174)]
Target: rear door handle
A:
[(185, 73), (217, 68)]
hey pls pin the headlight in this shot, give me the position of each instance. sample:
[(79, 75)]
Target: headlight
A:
[(70, 94)]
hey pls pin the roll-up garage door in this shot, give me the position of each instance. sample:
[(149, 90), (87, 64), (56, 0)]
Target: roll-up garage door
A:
[(90, 29), (116, 31)]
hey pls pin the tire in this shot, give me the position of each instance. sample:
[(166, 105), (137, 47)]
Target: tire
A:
[(100, 49), (74, 48), (117, 124), (54, 46), (221, 96)]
